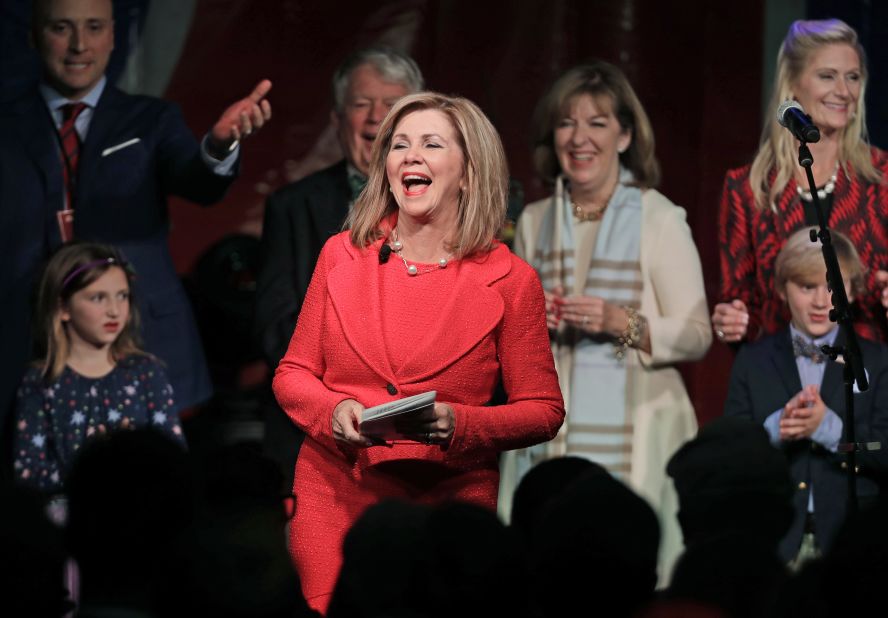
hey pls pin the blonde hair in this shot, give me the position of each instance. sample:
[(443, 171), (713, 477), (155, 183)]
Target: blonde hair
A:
[(777, 148), (482, 204), (802, 259), (603, 82), (73, 267)]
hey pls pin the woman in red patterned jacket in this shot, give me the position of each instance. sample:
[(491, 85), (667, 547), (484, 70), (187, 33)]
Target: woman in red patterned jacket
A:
[(822, 66)]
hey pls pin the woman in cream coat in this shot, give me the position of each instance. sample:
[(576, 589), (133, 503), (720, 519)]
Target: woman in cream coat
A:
[(624, 290)]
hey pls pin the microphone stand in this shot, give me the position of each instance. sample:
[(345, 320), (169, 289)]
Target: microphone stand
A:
[(853, 369)]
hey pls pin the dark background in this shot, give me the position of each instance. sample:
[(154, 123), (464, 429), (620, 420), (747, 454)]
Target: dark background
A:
[(699, 67)]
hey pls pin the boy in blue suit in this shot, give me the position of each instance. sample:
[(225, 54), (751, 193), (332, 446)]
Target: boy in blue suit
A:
[(785, 383)]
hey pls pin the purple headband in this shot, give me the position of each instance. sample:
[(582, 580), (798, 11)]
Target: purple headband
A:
[(89, 266)]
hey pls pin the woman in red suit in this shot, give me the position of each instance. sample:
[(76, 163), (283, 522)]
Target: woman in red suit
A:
[(418, 296), (822, 66)]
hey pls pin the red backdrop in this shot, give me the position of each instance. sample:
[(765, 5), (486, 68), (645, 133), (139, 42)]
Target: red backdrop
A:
[(696, 66)]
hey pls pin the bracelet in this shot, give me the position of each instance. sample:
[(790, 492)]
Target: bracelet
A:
[(632, 335)]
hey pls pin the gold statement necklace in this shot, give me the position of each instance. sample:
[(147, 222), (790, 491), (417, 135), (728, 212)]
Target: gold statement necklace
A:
[(595, 214)]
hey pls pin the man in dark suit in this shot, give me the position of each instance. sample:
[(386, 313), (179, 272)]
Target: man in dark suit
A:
[(80, 159), (300, 217), (785, 383)]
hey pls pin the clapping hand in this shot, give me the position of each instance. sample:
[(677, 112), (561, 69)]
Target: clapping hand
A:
[(554, 301), (802, 414), (593, 315)]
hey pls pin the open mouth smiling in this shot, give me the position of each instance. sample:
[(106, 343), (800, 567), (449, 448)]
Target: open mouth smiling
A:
[(415, 183)]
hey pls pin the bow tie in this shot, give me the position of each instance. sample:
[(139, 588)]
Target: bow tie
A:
[(800, 347), (356, 185)]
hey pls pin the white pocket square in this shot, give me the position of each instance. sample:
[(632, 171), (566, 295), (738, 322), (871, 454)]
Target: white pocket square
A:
[(120, 146)]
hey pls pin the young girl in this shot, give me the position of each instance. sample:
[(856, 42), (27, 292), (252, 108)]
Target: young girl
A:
[(93, 378)]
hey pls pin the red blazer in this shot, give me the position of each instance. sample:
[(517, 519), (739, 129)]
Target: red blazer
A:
[(750, 240), (491, 326)]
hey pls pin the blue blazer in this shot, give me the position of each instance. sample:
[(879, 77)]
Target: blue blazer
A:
[(764, 377), (121, 199)]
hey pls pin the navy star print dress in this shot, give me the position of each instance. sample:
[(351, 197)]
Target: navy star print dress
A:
[(54, 420)]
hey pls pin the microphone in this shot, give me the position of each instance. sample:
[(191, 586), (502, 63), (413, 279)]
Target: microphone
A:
[(791, 115), (384, 252)]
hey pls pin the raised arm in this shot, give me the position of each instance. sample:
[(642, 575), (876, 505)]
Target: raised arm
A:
[(240, 120)]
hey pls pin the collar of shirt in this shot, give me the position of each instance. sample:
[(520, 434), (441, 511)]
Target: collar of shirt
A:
[(355, 178), (809, 371), (55, 101), (828, 339), (353, 171)]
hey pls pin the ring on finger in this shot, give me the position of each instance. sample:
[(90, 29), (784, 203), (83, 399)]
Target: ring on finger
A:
[(720, 334), (428, 437)]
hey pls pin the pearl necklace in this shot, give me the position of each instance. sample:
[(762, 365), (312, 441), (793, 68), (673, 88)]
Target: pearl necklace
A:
[(412, 269), (827, 189)]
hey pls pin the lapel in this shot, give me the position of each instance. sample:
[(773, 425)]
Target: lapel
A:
[(354, 290), (329, 202), (831, 389), (105, 118), (783, 360), (38, 138)]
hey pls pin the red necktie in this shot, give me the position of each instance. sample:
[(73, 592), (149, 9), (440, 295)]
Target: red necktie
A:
[(70, 141)]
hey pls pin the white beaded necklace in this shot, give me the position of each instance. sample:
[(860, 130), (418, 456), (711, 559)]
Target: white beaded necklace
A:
[(827, 189), (412, 269)]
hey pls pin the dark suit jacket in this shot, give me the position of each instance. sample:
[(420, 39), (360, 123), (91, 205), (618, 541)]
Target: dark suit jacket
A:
[(299, 218), (764, 378), (121, 199)]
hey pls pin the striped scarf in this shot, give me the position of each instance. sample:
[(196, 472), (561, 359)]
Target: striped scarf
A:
[(601, 428)]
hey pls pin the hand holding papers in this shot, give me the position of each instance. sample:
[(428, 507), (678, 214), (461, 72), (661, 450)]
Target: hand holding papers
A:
[(400, 419)]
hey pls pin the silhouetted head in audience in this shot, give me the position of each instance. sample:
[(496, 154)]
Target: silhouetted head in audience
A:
[(33, 556), (731, 480), (855, 571), (456, 559), (595, 548), (129, 499), (740, 574), (380, 556), (239, 475), (471, 565), (233, 563), (543, 482), (850, 579)]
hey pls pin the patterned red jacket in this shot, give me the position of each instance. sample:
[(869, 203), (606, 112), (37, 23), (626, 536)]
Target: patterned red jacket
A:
[(750, 240)]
